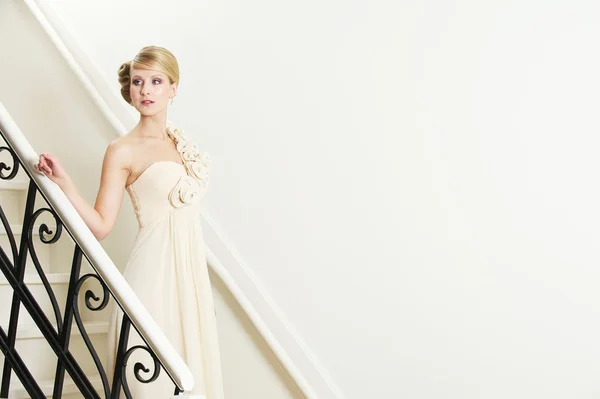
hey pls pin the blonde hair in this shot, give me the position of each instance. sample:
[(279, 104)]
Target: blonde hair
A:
[(149, 57)]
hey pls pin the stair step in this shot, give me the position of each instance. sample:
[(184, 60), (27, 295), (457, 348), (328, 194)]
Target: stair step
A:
[(18, 228), (41, 360), (14, 184), (70, 390), (13, 202), (42, 250), (32, 331), (59, 283), (32, 278)]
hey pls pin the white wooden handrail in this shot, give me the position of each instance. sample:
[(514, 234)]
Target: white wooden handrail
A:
[(98, 258)]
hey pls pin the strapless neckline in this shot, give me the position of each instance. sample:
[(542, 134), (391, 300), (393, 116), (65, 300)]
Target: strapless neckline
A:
[(150, 167)]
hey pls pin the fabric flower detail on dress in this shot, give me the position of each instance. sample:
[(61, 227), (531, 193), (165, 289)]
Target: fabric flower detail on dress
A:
[(185, 192), (198, 165), (189, 151)]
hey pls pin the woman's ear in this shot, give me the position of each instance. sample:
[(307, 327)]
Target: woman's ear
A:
[(173, 90)]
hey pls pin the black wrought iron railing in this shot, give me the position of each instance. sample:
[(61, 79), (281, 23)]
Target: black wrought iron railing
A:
[(57, 327)]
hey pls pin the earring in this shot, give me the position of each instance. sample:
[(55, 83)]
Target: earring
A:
[(171, 100)]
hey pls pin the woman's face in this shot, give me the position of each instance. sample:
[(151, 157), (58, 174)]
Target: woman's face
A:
[(150, 91)]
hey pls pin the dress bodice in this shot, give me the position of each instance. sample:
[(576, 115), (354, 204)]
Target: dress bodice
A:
[(166, 186)]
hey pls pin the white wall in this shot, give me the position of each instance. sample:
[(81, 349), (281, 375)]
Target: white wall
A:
[(250, 369), (412, 183), (57, 115)]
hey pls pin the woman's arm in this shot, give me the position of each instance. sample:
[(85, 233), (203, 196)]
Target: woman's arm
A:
[(101, 218)]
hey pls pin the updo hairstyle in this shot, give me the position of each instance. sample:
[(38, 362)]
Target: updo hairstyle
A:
[(149, 57)]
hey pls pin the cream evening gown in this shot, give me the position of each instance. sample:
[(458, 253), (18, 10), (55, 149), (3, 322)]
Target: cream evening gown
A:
[(167, 270)]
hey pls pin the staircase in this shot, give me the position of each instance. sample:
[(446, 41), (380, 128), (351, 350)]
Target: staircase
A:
[(55, 262), (53, 329)]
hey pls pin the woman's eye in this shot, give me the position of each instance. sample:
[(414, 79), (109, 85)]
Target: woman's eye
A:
[(136, 82), (156, 81)]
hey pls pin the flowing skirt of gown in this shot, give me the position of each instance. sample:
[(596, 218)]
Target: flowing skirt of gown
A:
[(167, 270)]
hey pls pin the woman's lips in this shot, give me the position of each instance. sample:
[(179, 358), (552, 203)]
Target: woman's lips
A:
[(147, 102)]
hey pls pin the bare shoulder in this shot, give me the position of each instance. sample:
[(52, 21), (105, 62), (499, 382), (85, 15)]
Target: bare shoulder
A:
[(118, 152)]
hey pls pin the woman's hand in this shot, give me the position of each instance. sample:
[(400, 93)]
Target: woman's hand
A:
[(101, 217), (50, 166)]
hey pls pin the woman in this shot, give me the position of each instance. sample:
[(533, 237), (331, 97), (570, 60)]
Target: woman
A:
[(165, 177)]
